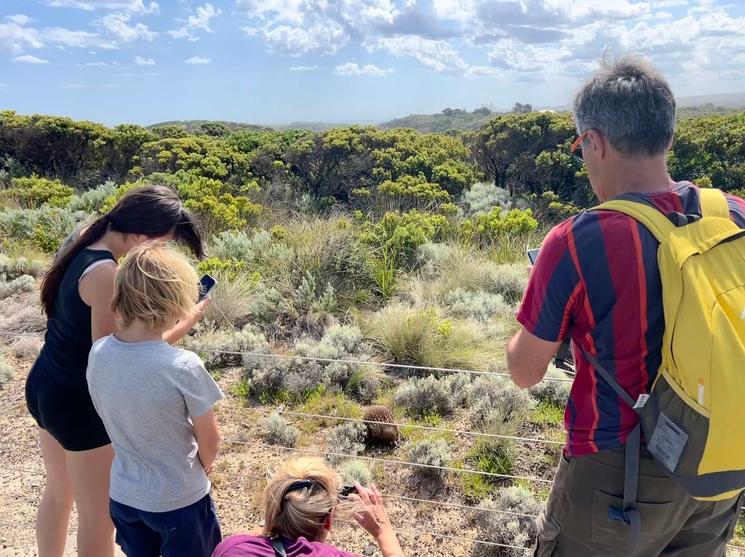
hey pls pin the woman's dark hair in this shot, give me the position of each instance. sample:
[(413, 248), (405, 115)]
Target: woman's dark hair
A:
[(150, 210)]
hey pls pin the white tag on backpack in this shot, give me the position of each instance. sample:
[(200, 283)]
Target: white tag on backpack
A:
[(667, 442), (641, 401)]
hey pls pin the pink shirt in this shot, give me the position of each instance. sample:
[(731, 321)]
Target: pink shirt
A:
[(244, 545)]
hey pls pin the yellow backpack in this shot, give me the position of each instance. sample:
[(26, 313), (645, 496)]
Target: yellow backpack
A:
[(692, 418)]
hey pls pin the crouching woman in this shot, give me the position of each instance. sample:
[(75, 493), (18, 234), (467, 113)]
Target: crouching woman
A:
[(300, 503)]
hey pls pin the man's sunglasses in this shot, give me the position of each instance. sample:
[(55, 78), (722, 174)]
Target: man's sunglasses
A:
[(576, 148)]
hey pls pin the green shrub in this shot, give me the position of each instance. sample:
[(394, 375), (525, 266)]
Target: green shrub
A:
[(13, 267), (279, 431), (346, 439), (425, 396), (515, 529), (498, 406), (355, 472), (482, 306), (93, 201), (24, 283), (417, 336), (552, 392), (496, 225), (209, 345), (43, 228), (33, 192), (482, 197), (429, 452), (548, 207), (7, 371)]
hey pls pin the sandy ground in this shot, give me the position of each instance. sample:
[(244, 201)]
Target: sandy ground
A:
[(237, 485), (238, 481)]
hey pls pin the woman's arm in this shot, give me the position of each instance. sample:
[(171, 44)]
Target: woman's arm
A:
[(96, 289), (207, 435), (374, 519), (181, 328)]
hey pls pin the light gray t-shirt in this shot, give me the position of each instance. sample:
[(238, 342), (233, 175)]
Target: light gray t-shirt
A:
[(146, 394)]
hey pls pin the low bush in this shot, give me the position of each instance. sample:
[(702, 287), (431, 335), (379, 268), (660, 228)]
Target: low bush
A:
[(13, 267), (267, 378), (480, 305), (355, 471), (258, 252), (517, 529), (498, 406), (27, 319), (425, 396), (416, 336), (92, 201), (33, 192), (27, 346), (7, 371), (551, 391), (231, 300), (482, 197), (24, 283), (494, 226), (43, 228), (347, 439), (220, 349), (280, 432), (431, 453)]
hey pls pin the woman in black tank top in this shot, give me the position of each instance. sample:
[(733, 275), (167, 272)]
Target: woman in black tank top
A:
[(76, 297)]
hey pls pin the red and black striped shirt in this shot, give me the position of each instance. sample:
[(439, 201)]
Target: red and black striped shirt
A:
[(597, 281)]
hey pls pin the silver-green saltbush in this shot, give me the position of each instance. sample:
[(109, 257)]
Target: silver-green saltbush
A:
[(280, 432), (347, 439), (508, 529), (552, 392), (13, 267), (480, 305), (355, 471), (7, 371), (425, 396), (24, 283), (497, 403), (430, 453), (92, 200)]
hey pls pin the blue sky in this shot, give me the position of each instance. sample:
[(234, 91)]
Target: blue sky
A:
[(277, 61)]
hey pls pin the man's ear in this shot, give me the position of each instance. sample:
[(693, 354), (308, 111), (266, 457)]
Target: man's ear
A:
[(597, 143)]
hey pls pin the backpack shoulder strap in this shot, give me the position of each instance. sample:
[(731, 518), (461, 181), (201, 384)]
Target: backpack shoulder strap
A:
[(713, 203), (657, 223)]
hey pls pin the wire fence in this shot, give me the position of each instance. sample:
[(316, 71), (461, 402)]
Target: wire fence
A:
[(371, 363)]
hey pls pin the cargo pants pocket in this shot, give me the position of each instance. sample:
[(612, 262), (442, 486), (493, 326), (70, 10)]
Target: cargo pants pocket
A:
[(548, 535)]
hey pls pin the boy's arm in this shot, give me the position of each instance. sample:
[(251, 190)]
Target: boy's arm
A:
[(207, 435)]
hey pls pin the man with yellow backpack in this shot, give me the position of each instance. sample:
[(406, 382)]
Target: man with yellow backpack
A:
[(650, 286)]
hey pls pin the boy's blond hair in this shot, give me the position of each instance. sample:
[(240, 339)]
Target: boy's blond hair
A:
[(155, 285)]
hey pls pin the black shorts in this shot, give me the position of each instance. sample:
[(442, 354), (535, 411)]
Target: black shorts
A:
[(66, 412)]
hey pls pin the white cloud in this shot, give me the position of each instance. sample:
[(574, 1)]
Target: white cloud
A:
[(94, 64), (19, 19), (198, 60), (303, 68), (439, 56), (76, 39), (370, 70), (129, 6), (15, 38), (326, 38), (140, 61), (199, 21), (118, 25), (29, 59)]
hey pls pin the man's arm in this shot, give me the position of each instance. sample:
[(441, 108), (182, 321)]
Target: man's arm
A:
[(528, 357)]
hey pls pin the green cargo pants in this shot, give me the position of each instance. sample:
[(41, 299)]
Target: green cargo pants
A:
[(575, 522)]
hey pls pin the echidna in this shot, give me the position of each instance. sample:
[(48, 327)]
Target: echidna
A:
[(381, 432)]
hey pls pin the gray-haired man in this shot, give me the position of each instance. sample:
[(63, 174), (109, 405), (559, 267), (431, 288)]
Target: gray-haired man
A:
[(598, 281)]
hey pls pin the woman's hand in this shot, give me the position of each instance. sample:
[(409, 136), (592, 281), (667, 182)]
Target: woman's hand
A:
[(374, 519)]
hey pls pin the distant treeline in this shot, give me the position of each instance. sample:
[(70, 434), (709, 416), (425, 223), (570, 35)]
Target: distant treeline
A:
[(366, 167)]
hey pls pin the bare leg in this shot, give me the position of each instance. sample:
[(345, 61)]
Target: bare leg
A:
[(89, 477), (56, 503)]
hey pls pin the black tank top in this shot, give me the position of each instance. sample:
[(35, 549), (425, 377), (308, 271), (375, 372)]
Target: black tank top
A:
[(68, 338)]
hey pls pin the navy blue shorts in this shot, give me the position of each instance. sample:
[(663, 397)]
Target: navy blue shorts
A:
[(189, 532)]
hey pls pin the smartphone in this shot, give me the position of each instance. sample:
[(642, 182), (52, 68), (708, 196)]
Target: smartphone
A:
[(533, 255), (206, 285), (346, 491)]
